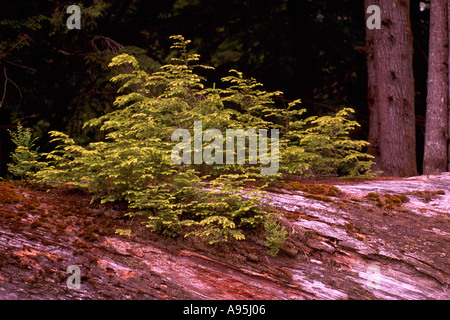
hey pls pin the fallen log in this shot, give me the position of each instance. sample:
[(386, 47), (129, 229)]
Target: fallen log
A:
[(380, 239)]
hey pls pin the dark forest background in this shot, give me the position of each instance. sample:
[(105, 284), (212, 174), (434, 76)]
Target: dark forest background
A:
[(53, 78)]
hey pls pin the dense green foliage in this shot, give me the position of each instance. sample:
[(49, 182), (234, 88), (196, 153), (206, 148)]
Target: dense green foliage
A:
[(275, 234), (328, 148), (133, 163)]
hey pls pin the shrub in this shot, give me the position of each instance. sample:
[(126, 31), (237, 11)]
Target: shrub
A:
[(133, 163), (24, 159), (329, 150), (276, 234)]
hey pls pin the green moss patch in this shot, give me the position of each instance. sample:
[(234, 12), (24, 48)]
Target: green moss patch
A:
[(387, 201), (318, 189)]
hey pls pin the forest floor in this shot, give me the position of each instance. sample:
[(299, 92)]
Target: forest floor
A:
[(376, 239)]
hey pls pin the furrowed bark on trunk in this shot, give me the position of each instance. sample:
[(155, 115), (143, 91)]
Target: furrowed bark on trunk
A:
[(393, 56), (448, 65), (437, 117), (372, 97)]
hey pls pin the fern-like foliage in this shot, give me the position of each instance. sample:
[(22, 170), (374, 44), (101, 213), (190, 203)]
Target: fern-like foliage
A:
[(209, 201), (25, 158), (328, 148)]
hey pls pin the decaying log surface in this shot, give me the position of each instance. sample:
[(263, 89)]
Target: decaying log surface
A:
[(363, 243)]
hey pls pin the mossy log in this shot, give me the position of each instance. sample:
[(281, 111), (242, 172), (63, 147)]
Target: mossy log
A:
[(347, 248)]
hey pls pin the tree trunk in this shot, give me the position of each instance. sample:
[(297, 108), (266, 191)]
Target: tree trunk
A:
[(372, 97), (448, 66), (436, 127), (393, 71)]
